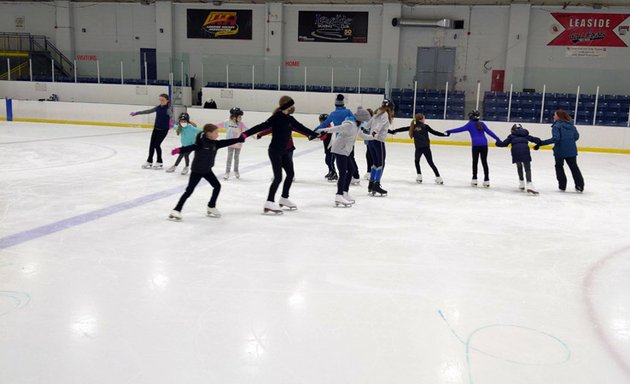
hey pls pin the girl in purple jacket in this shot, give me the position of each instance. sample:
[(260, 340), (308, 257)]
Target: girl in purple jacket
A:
[(477, 130)]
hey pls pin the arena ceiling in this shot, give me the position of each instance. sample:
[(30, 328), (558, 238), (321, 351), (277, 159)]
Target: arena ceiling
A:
[(568, 4)]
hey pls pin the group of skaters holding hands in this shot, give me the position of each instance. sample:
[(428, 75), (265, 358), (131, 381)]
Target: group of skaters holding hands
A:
[(339, 131)]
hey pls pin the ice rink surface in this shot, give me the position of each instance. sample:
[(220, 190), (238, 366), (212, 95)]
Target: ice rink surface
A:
[(433, 284)]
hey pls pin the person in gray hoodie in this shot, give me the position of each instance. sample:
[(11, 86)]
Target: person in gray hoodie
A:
[(345, 135), (564, 135)]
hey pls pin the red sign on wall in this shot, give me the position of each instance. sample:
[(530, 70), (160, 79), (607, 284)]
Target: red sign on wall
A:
[(589, 29), (292, 63), (86, 57)]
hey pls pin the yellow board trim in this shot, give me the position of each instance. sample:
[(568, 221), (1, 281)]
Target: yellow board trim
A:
[(13, 54), (391, 140)]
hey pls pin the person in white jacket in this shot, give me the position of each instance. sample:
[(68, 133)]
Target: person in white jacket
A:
[(342, 145), (377, 128)]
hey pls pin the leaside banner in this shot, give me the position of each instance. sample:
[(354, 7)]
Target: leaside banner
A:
[(219, 24), (589, 29)]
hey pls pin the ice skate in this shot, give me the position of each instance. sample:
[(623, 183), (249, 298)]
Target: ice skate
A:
[(521, 185), (367, 176), (147, 165), (171, 169), (226, 175), (157, 166), (439, 181), (175, 215), (486, 183), (213, 212), (272, 208), (347, 196), (419, 178), (355, 181), (328, 175), (370, 187), (377, 190), (531, 190), (579, 189), (473, 183), (185, 171), (237, 175), (333, 177), (341, 201), (286, 203)]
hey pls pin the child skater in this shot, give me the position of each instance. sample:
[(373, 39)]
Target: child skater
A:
[(282, 124), (519, 138), (419, 132), (477, 130), (205, 147), (234, 128), (328, 156), (378, 127), (163, 121), (335, 117), (188, 132), (343, 146), (368, 157)]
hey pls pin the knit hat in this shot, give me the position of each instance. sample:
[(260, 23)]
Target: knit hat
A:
[(339, 101), (362, 115)]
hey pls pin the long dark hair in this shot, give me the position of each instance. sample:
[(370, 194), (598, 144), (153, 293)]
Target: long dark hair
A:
[(283, 100), (412, 126), (562, 115)]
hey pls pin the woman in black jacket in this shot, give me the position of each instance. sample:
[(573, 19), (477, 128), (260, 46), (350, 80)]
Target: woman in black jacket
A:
[(205, 147), (282, 124), (163, 121), (419, 132)]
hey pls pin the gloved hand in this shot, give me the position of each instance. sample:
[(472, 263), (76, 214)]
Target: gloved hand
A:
[(389, 131), (171, 124), (258, 137), (132, 114), (241, 138), (175, 151), (448, 134), (536, 147), (244, 136)]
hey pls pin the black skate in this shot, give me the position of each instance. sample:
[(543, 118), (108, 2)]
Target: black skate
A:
[(370, 187), (376, 189), (333, 177)]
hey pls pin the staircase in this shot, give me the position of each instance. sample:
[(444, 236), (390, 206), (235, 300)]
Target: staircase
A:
[(43, 54)]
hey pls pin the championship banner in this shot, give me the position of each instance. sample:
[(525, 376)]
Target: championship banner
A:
[(589, 29), (219, 24), (333, 27)]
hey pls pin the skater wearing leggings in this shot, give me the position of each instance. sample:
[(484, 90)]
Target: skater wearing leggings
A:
[(419, 132), (564, 135), (335, 117), (477, 130), (377, 128), (163, 121), (281, 124), (205, 147), (343, 146)]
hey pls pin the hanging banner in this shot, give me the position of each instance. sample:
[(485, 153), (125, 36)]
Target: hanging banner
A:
[(589, 29), (219, 24), (333, 27)]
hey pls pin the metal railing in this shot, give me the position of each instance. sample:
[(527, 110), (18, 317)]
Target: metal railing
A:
[(25, 42)]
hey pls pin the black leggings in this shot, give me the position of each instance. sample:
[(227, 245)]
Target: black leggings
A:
[(328, 156), (280, 160), (426, 151), (184, 156), (346, 168), (195, 178), (575, 172), (157, 137), (528, 170), (368, 159), (355, 173), (482, 150)]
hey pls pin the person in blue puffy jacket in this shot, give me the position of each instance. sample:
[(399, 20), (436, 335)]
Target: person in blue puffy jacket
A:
[(519, 138), (477, 130), (563, 137)]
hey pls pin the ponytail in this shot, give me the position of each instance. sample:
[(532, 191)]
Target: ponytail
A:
[(479, 126)]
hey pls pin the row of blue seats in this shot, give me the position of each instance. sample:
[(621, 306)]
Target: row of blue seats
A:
[(94, 80), (297, 87), (538, 97)]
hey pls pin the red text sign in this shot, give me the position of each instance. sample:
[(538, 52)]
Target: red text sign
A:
[(589, 29)]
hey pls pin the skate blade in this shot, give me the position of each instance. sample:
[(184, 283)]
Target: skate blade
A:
[(213, 216), (533, 193), (288, 208), (272, 212), (173, 218), (341, 205)]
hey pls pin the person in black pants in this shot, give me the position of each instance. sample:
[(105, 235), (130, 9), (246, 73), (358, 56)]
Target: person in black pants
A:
[(205, 147), (419, 132), (328, 156), (282, 124), (163, 121), (564, 136)]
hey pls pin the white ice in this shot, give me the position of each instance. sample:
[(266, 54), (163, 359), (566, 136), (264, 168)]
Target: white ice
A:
[(433, 284)]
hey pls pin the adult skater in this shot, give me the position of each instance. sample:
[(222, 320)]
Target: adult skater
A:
[(342, 146), (477, 130), (281, 124), (519, 138), (205, 147), (419, 132), (163, 121), (563, 137), (335, 117), (377, 128)]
